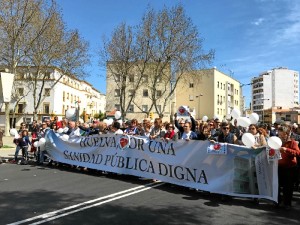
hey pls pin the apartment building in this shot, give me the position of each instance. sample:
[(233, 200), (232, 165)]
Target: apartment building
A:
[(59, 93), (210, 93), (139, 90), (275, 88)]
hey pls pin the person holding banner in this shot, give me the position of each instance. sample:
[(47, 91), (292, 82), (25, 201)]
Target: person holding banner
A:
[(188, 134), (260, 140), (225, 136), (180, 125), (157, 131), (287, 166), (170, 133)]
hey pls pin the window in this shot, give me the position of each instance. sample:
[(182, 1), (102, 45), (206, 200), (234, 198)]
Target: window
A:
[(21, 91), (118, 77), (64, 96), (117, 107), (145, 78), (131, 78), (130, 108), (191, 85), (21, 107), (131, 92), (67, 95), (145, 93), (117, 93), (47, 92), (191, 97), (46, 108), (218, 85), (158, 93), (47, 75), (145, 108)]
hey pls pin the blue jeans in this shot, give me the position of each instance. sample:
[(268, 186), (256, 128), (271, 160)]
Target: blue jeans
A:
[(17, 152)]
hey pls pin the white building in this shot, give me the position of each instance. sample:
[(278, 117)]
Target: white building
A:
[(278, 87), (57, 96)]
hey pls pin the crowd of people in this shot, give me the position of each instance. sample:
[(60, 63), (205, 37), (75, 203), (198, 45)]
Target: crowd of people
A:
[(187, 129)]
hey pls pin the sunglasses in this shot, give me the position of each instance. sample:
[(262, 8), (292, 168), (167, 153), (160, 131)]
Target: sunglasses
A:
[(225, 128)]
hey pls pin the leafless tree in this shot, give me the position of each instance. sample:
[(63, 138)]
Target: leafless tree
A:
[(32, 34), (166, 46)]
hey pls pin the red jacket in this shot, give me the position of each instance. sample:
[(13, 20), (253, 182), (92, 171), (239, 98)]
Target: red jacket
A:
[(289, 157)]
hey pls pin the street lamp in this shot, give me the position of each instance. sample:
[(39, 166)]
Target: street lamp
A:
[(263, 114), (199, 109)]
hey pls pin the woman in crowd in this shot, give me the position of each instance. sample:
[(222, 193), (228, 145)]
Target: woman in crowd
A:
[(132, 128), (204, 133), (157, 131), (287, 166), (260, 140), (170, 133)]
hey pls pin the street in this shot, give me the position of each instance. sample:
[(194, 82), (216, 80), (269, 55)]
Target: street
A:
[(33, 194)]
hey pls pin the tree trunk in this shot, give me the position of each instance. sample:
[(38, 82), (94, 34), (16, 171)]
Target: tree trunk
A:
[(7, 127)]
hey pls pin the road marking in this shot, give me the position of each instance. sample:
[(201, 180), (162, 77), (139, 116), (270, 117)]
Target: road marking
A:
[(86, 205)]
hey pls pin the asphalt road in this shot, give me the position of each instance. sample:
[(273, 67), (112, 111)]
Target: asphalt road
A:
[(33, 194)]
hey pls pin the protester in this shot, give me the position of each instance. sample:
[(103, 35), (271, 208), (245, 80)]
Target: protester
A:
[(260, 140), (225, 136), (132, 128), (287, 166), (205, 132), (187, 133), (16, 141), (170, 133), (116, 128), (157, 131), (23, 143), (41, 134)]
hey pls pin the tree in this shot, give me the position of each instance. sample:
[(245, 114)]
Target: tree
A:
[(165, 46), (33, 35), (16, 17)]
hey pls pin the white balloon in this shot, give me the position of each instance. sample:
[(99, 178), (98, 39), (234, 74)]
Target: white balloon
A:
[(253, 117), (274, 142), (60, 130), (110, 121), (13, 132), (36, 144), (118, 115), (70, 113), (248, 139), (204, 118), (228, 117), (42, 141), (235, 113), (65, 137), (243, 121), (105, 121), (216, 117)]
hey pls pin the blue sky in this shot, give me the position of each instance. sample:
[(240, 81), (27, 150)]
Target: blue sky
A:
[(249, 36)]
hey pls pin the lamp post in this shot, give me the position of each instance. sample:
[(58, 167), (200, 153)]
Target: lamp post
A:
[(263, 114), (199, 109)]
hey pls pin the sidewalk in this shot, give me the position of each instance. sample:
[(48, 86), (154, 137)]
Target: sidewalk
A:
[(8, 153)]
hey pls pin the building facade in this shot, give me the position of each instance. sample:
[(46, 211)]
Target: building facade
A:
[(210, 93), (276, 88), (59, 93), (142, 92)]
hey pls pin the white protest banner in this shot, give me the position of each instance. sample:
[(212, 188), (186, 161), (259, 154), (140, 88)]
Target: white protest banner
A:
[(237, 173)]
